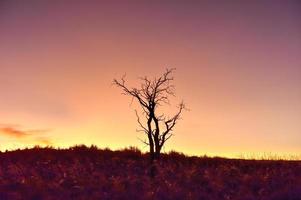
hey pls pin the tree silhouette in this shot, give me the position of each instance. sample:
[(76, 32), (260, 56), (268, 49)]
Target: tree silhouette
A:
[(150, 95)]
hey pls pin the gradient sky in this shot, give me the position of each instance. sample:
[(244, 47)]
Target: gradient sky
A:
[(238, 70)]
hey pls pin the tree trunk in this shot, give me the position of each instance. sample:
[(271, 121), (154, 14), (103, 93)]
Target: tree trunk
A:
[(153, 165), (150, 140), (151, 147), (156, 138), (157, 153)]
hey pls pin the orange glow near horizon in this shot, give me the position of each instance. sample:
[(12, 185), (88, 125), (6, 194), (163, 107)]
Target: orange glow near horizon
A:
[(238, 72)]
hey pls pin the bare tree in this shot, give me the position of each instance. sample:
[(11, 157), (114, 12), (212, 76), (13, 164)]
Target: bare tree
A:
[(150, 95)]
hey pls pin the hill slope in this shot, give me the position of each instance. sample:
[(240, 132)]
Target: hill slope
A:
[(90, 173)]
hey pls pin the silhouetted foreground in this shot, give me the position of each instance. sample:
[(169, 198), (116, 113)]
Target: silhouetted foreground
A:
[(90, 173)]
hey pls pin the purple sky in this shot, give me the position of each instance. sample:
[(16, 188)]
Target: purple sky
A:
[(238, 69)]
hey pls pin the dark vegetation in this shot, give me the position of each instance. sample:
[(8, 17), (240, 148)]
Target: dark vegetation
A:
[(90, 173)]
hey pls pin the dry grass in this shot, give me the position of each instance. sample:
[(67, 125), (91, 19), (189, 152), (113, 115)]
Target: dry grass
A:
[(91, 173)]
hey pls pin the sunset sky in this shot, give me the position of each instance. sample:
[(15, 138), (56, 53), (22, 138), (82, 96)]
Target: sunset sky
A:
[(238, 68)]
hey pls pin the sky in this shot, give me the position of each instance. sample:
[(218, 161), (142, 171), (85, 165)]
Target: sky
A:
[(238, 69)]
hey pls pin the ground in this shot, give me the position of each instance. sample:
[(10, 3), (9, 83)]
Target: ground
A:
[(90, 173)]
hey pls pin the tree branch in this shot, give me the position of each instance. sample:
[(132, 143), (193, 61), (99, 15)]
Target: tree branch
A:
[(139, 122), (169, 124)]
